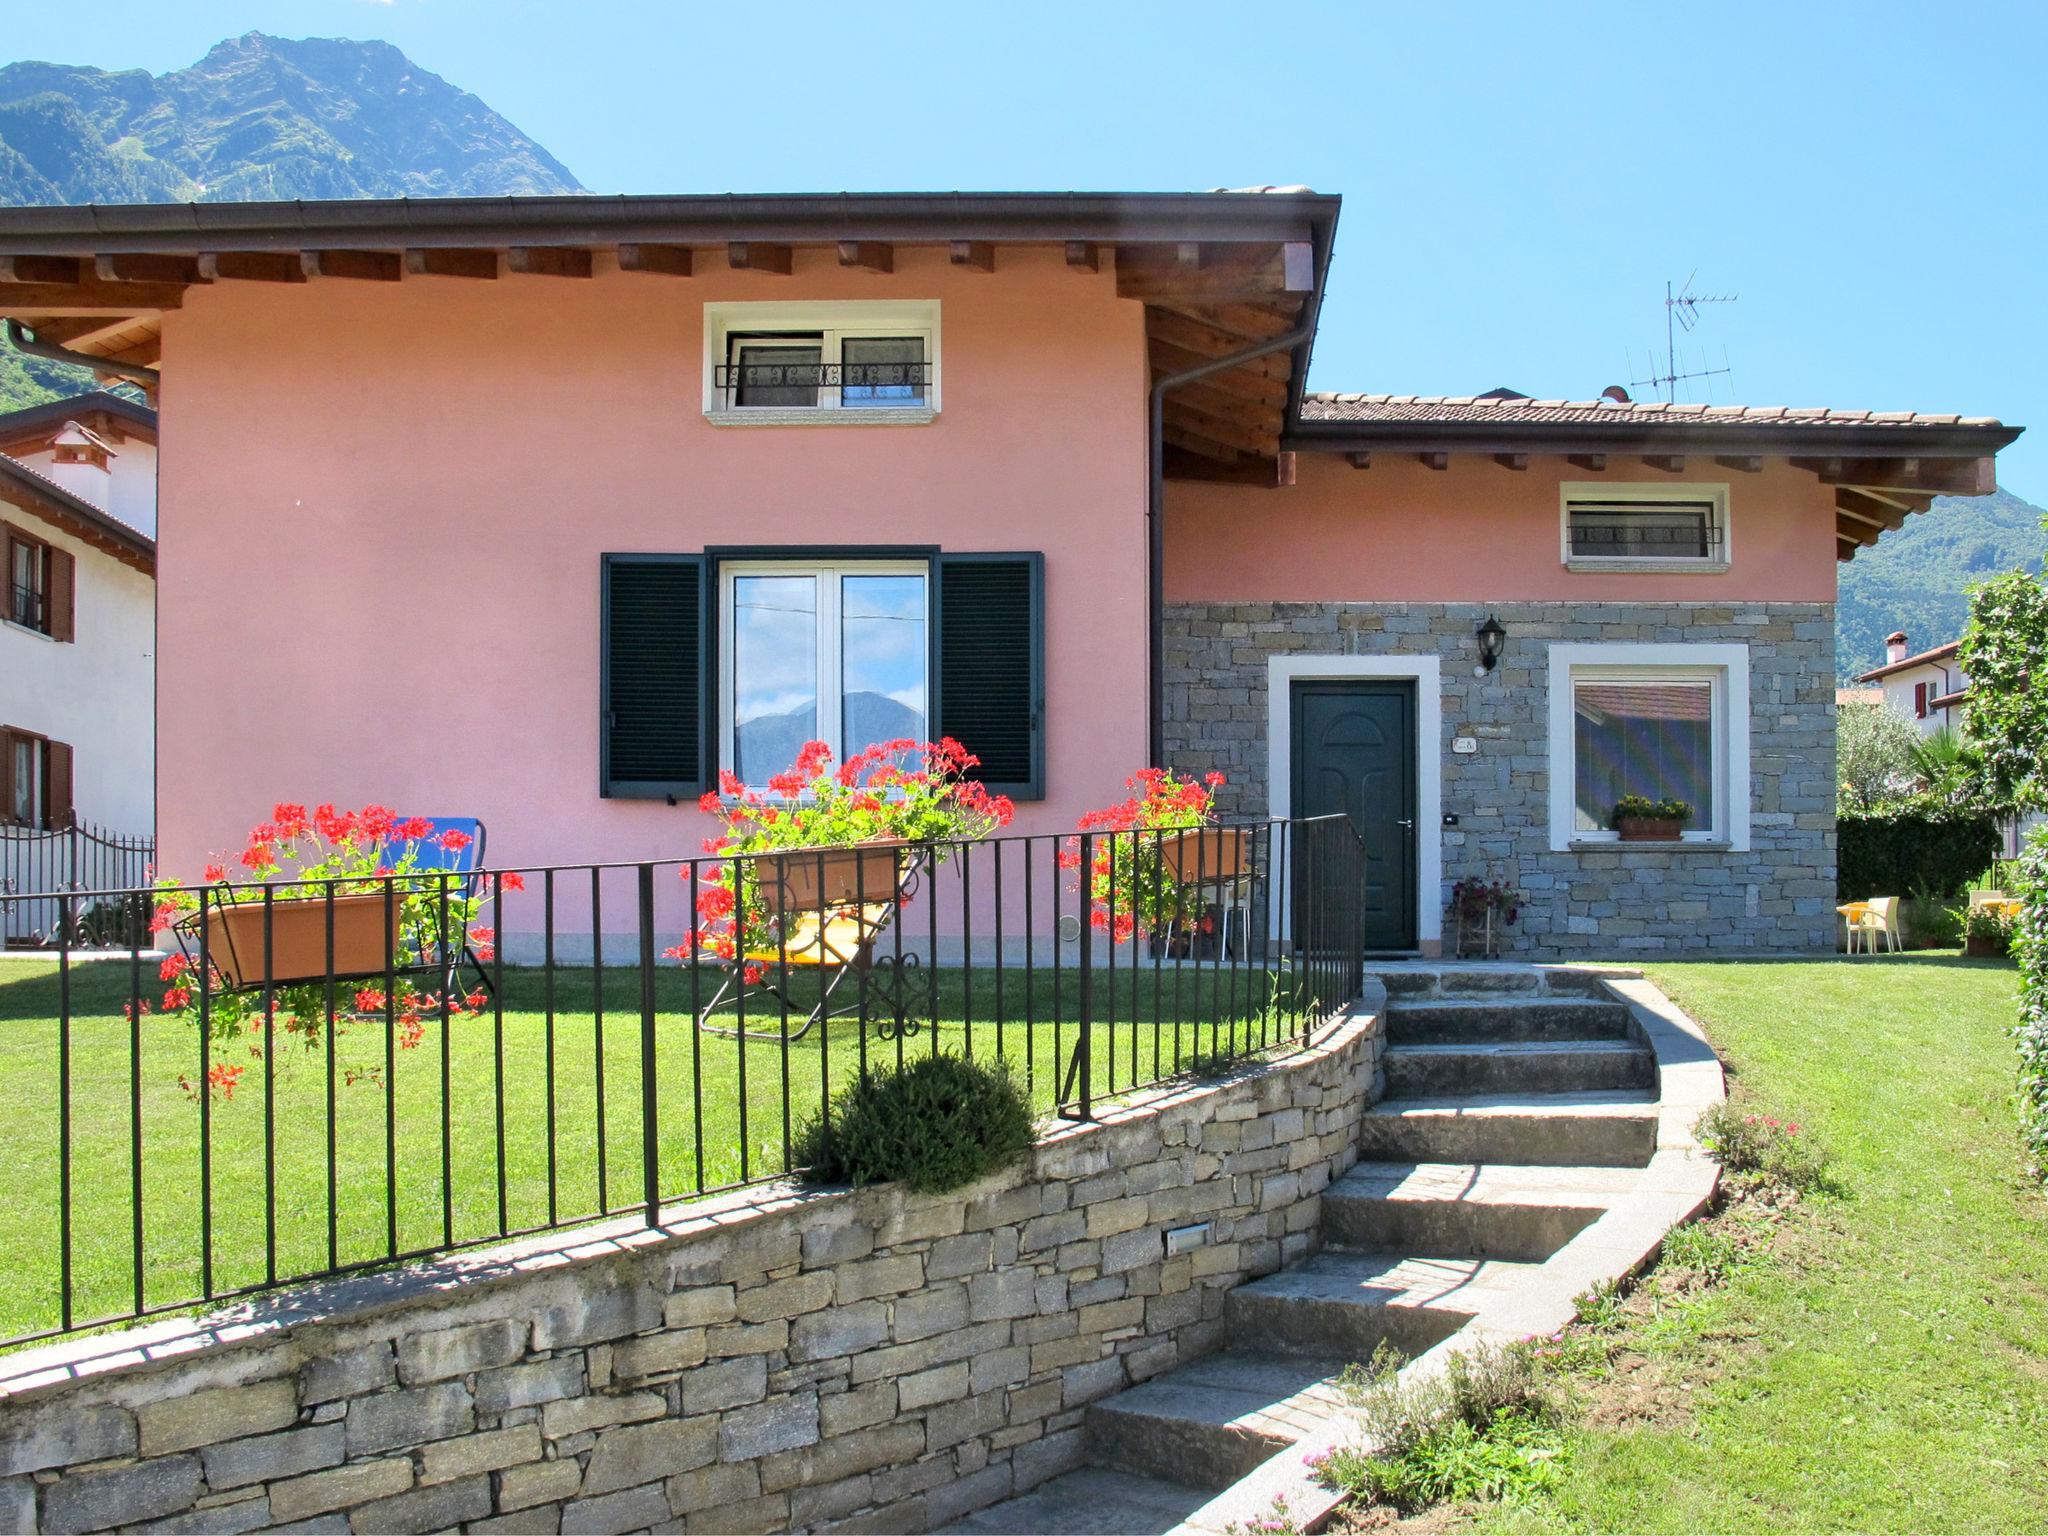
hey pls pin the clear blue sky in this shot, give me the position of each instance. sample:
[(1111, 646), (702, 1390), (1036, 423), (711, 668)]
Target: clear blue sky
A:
[(1519, 181)]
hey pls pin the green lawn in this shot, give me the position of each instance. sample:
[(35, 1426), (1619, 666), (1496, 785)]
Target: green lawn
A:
[(722, 1108), (1887, 1368)]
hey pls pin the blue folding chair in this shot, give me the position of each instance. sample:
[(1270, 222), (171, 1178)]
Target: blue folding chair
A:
[(429, 856)]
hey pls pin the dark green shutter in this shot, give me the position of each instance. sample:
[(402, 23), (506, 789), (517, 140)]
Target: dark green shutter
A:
[(652, 733), (991, 666)]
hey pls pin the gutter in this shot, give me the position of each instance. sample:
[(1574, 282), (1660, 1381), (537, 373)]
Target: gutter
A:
[(24, 341), (1155, 515)]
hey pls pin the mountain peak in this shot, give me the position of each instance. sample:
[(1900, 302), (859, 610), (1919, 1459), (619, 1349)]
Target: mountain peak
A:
[(260, 117)]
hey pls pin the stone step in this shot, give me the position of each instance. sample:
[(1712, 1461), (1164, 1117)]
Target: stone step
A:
[(1215, 1418), (1545, 1066), (1342, 1303), (1454, 1021), (1499, 1211), (1600, 1128), (1092, 1501)]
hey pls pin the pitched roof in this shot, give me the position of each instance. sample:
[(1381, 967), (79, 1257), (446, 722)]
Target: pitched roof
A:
[(1498, 406), (19, 428), (1939, 653), (40, 496)]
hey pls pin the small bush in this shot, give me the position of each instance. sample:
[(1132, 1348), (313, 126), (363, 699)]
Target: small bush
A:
[(1762, 1145), (1931, 919), (1491, 1426), (935, 1123)]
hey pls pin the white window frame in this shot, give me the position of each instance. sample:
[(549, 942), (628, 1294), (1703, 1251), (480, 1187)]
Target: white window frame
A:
[(832, 320), (1716, 494), (1725, 666), (830, 651)]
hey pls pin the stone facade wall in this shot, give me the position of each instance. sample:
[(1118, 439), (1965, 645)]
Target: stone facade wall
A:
[(1778, 896), (861, 1360)]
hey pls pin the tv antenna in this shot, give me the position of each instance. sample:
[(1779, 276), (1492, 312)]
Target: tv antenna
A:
[(1681, 313)]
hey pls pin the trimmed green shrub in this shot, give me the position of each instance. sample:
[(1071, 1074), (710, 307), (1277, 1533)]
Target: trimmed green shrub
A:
[(935, 1123), (1891, 853)]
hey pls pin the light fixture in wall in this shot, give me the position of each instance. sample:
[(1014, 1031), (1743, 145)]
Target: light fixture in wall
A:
[(1491, 639)]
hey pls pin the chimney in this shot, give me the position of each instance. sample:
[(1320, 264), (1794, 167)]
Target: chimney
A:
[(1895, 646), (80, 462)]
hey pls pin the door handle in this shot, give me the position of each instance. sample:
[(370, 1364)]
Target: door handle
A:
[(1404, 821)]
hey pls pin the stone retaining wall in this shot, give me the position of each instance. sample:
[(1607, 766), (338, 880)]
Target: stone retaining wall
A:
[(1776, 896), (859, 1360)]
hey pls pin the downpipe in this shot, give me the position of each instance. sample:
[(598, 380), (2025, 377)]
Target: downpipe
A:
[(24, 340)]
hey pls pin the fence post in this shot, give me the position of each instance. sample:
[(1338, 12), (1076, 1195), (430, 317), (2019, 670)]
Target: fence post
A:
[(650, 1129), (1085, 1033)]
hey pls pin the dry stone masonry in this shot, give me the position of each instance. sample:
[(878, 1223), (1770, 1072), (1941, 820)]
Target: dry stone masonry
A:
[(854, 1360), (1777, 897)]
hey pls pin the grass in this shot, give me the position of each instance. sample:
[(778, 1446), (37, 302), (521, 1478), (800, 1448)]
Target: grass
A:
[(1872, 1360), (726, 1112)]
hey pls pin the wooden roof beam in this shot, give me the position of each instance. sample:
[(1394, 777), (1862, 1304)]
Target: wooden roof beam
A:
[(868, 255), (1223, 429), (433, 261), (1182, 436), (1208, 344), (250, 267), (1741, 463), (135, 268), (666, 260), (548, 261), (1359, 460), (974, 255), (758, 256), (1226, 272), (1244, 382), (1670, 463), (88, 296), (39, 269), (1941, 477), (1512, 460), (1083, 256), (362, 266), (1592, 463), (1437, 461)]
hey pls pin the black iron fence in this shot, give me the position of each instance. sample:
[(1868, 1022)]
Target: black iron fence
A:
[(99, 869), (302, 1080)]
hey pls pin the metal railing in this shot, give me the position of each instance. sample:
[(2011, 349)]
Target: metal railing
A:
[(27, 606), (898, 383), (38, 866), (312, 1107)]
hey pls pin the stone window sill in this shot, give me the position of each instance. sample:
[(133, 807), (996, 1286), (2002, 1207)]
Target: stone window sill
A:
[(23, 629), (811, 416), (1616, 845), (1650, 567)]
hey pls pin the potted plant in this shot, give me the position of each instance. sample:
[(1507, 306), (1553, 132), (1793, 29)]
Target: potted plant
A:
[(1156, 857), (1987, 932), (819, 838), (1482, 910), (268, 934), (1639, 819)]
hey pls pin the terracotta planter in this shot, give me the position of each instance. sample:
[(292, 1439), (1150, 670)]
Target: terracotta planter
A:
[(1985, 948), (1204, 853), (1649, 829), (805, 879), (365, 938)]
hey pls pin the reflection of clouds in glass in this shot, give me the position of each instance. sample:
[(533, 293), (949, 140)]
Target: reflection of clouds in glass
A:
[(775, 669), (883, 659)]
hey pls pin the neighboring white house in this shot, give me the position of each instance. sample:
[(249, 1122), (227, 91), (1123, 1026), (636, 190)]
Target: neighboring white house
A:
[(1926, 689), (78, 615)]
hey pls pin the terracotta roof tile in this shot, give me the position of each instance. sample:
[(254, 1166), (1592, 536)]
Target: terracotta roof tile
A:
[(1322, 406)]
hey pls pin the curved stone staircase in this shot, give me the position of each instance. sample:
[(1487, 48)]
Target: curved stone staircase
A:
[(1533, 1140)]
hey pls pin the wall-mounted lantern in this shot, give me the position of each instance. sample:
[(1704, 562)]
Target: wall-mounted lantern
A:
[(1491, 639)]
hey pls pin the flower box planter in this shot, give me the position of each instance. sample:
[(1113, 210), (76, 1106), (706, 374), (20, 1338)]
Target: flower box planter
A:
[(1649, 829), (365, 938), (807, 879), (1986, 947), (1203, 854)]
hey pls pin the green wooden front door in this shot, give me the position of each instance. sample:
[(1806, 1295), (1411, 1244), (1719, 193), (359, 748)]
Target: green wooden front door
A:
[(1353, 750)]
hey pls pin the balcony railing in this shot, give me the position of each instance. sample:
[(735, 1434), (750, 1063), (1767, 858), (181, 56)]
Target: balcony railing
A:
[(739, 385), (27, 606), (1596, 538), (563, 1044)]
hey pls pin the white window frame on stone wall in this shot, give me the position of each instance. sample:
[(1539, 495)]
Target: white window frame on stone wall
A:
[(1576, 493), (827, 323), (1724, 666)]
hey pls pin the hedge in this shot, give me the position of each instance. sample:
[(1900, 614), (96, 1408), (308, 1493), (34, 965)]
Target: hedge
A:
[(1897, 855), (2030, 943)]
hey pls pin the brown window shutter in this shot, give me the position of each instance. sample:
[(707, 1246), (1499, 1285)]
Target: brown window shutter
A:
[(57, 786), (6, 776), (63, 598)]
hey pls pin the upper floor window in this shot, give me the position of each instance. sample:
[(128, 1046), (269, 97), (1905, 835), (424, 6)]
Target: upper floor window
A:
[(852, 360), (1645, 527), (39, 584)]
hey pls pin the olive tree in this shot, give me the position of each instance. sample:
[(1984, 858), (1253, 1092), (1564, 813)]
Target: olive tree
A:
[(1873, 757)]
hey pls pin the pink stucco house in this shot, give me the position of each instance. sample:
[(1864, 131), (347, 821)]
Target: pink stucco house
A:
[(548, 509)]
